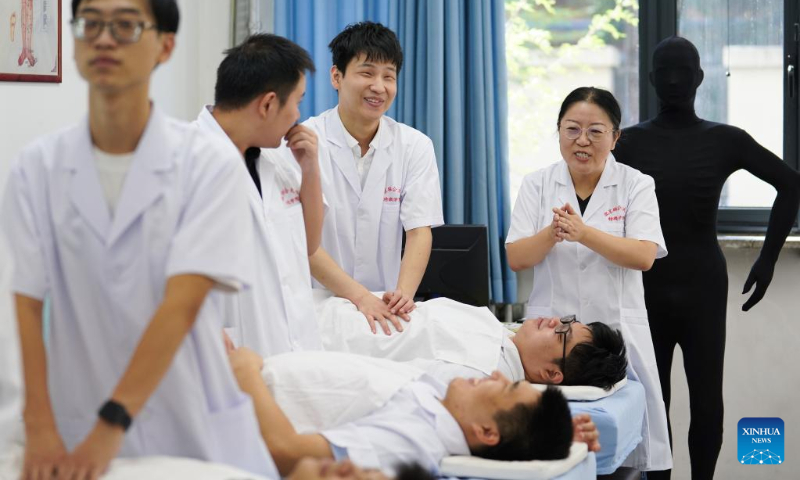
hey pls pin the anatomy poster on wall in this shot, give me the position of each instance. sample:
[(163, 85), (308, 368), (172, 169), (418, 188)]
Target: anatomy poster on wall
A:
[(30, 40)]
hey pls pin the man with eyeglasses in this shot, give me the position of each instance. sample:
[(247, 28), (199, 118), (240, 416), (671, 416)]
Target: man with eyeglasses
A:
[(127, 223), (448, 339)]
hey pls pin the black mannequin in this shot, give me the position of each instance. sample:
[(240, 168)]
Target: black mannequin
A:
[(686, 292)]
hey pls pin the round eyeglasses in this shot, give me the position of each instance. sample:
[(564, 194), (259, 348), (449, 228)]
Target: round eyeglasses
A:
[(122, 30), (563, 329), (594, 134)]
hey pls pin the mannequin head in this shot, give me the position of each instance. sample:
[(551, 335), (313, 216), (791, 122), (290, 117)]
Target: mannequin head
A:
[(676, 73)]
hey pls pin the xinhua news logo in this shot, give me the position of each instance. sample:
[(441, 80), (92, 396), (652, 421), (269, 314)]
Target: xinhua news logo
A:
[(761, 441)]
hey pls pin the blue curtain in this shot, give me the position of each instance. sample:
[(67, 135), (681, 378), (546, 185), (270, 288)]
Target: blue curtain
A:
[(452, 87)]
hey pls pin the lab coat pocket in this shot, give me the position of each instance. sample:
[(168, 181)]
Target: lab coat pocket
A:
[(236, 439)]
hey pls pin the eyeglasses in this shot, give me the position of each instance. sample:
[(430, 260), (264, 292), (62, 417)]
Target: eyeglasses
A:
[(123, 31), (564, 328), (594, 134)]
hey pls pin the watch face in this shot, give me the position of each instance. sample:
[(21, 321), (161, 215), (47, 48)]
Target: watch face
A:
[(115, 414)]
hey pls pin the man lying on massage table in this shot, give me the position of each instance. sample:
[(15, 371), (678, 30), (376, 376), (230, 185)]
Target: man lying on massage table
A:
[(449, 339), (425, 421)]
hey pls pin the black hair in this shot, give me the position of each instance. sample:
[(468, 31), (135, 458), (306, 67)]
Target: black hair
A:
[(165, 13), (539, 431), (601, 362), (412, 471), (261, 63), (374, 40), (602, 98)]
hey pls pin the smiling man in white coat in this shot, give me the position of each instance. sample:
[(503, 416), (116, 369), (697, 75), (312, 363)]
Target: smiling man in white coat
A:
[(127, 222), (379, 178), (260, 84)]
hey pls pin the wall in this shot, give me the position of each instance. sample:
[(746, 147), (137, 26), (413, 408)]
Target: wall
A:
[(180, 87), (761, 373)]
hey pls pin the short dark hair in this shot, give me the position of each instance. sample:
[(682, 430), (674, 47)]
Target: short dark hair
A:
[(602, 98), (374, 40), (540, 431), (412, 471), (261, 63), (165, 13), (601, 362)]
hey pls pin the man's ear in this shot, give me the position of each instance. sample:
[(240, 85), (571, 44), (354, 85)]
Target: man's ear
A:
[(167, 47), (552, 376), (336, 77), (268, 103), (486, 434)]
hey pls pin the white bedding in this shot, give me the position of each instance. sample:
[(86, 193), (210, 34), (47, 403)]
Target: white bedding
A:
[(458, 466)]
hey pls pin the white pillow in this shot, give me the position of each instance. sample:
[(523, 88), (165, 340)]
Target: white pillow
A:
[(151, 468), (583, 393), (318, 390), (475, 467)]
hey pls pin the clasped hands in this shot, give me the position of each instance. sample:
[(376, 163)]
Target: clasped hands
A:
[(567, 225)]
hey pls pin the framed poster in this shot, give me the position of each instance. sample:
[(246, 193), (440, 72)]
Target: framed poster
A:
[(30, 40)]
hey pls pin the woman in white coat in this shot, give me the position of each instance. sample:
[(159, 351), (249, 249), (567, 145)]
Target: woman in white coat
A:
[(588, 226)]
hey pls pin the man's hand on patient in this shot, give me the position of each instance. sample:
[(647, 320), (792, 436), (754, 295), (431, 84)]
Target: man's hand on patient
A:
[(92, 457), (584, 430), (43, 453), (377, 312), (400, 303)]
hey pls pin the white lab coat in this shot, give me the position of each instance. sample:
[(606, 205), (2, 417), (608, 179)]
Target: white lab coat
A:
[(363, 228), (11, 371), (277, 314), (181, 211), (573, 279)]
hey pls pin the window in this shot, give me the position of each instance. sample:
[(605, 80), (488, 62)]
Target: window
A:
[(741, 51), (554, 47)]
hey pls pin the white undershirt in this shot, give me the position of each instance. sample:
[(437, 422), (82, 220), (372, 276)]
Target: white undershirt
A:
[(112, 169), (363, 163)]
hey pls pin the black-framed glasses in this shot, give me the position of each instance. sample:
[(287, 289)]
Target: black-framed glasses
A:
[(563, 329), (594, 134), (122, 30)]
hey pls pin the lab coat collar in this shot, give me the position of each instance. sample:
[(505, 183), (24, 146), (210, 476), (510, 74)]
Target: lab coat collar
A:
[(144, 183), (338, 135), (207, 122), (447, 428), (85, 191), (566, 191)]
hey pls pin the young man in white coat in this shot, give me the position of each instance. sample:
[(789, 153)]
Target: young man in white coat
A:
[(379, 178), (127, 222), (260, 84)]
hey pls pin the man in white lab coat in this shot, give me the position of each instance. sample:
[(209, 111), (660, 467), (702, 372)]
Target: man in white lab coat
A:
[(379, 178), (127, 222), (260, 84)]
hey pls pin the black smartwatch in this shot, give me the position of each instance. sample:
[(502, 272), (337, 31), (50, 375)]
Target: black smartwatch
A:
[(115, 414)]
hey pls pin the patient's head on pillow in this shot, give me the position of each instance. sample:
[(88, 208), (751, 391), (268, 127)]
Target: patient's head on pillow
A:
[(539, 431), (594, 354), (502, 420), (601, 362)]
